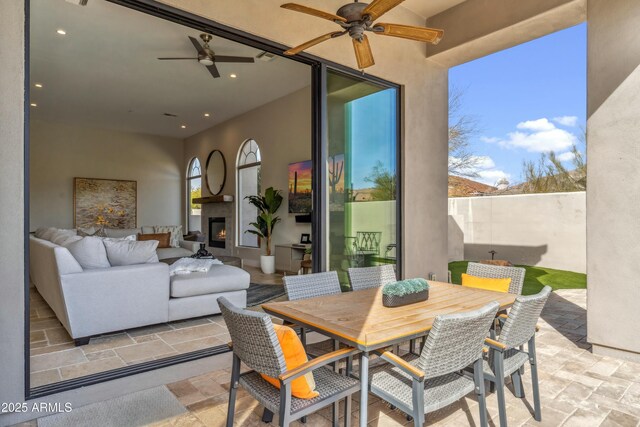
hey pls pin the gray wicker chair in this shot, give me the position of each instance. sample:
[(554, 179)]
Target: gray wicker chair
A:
[(435, 379), (506, 351), (371, 277), (309, 286), (254, 343), (516, 274)]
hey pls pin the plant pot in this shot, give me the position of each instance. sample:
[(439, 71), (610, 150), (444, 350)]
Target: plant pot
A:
[(399, 301), (268, 264)]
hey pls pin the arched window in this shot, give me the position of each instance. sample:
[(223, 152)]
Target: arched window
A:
[(194, 189), (248, 184)]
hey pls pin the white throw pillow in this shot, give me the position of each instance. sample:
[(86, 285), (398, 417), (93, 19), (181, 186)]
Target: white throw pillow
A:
[(89, 252), (176, 233), (48, 233), (40, 232), (60, 236), (127, 252), (132, 238)]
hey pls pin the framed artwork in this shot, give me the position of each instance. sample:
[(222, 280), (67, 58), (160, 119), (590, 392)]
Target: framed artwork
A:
[(300, 187), (305, 238), (110, 203)]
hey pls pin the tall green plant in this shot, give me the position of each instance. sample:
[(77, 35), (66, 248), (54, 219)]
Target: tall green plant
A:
[(267, 205)]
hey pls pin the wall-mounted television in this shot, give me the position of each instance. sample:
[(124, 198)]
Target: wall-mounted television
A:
[(300, 175)]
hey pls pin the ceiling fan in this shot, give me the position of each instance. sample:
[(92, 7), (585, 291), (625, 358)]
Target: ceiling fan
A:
[(356, 18), (207, 57)]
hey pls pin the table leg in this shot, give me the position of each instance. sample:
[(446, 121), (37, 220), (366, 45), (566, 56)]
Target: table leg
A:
[(364, 387)]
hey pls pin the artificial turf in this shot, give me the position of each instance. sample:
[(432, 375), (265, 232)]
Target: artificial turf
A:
[(535, 278)]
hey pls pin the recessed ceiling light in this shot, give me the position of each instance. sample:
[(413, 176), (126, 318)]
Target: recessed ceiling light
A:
[(183, 126), (233, 76), (33, 104), (61, 31), (207, 114), (39, 85)]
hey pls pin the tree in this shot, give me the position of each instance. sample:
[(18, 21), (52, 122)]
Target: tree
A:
[(384, 183), (549, 175), (462, 127)]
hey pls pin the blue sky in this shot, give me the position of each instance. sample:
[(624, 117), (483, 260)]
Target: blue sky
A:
[(527, 100)]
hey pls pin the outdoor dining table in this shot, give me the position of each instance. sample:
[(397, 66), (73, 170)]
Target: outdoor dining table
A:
[(358, 319)]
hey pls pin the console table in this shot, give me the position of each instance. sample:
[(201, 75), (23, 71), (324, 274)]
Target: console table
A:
[(289, 257)]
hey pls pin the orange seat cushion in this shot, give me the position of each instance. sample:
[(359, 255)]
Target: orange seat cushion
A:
[(499, 285), (294, 356)]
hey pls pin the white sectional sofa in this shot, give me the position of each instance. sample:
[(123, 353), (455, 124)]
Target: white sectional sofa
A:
[(95, 301)]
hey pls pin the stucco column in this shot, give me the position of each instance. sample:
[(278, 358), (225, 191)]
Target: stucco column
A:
[(11, 207), (613, 207)]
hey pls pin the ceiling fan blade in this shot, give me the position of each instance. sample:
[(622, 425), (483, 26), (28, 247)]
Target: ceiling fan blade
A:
[(218, 58), (377, 8), (213, 70), (364, 56), (428, 35), (317, 40), (197, 45), (314, 12), (174, 59)]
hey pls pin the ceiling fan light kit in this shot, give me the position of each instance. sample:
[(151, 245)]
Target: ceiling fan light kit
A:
[(356, 19), (208, 58)]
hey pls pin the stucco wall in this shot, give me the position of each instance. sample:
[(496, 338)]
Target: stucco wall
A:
[(12, 202), (61, 152), (613, 129), (534, 229), (282, 129)]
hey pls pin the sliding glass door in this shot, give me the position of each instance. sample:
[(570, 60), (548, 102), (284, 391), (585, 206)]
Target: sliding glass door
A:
[(361, 174)]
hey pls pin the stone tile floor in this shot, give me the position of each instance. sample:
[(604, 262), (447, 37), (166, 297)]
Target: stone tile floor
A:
[(577, 387), (54, 357)]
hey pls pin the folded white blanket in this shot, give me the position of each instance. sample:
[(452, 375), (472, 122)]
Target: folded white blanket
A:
[(192, 265)]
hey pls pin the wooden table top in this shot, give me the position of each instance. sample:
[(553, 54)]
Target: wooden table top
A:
[(359, 319)]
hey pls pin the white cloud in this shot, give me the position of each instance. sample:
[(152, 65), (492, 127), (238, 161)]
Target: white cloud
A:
[(536, 125), (569, 121), (540, 142), (489, 140), (566, 157), (491, 177), (486, 170)]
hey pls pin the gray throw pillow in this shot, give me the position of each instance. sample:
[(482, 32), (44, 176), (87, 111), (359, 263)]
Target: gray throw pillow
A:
[(127, 252), (89, 252)]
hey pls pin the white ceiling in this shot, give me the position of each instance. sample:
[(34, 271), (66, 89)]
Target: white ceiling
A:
[(427, 8), (104, 72)]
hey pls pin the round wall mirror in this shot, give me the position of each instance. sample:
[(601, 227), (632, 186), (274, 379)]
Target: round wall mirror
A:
[(216, 172)]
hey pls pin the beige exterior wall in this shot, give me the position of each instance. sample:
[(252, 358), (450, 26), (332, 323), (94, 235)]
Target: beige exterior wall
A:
[(547, 230), (425, 108), (613, 128), (282, 129), (61, 152), (11, 202)]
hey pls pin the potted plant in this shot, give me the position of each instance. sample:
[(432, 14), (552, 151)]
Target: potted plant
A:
[(267, 205), (405, 292)]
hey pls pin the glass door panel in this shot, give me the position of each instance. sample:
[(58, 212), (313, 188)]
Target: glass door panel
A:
[(361, 173)]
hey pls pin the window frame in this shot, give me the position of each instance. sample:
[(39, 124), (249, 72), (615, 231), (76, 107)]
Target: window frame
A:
[(239, 168), (190, 178)]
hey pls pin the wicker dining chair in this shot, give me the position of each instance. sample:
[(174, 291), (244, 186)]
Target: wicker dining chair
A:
[(437, 378), (516, 274), (254, 343), (309, 286), (506, 351), (371, 277)]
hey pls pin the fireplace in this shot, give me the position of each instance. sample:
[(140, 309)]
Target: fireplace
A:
[(217, 232)]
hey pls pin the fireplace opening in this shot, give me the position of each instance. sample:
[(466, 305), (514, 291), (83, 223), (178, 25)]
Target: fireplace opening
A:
[(217, 232)]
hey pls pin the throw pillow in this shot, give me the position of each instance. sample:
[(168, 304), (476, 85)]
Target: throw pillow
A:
[(87, 231), (89, 252), (498, 285), (164, 239), (127, 252), (175, 230), (294, 356), (60, 236), (48, 233)]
